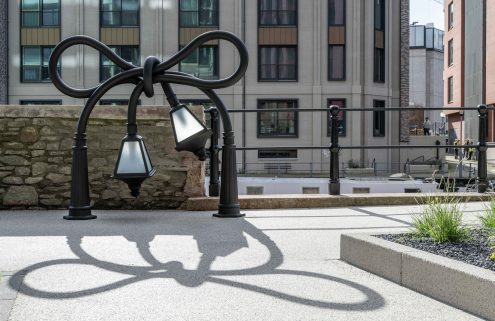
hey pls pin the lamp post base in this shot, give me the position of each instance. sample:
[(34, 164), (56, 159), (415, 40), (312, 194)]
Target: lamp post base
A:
[(79, 214), (229, 215), (79, 218)]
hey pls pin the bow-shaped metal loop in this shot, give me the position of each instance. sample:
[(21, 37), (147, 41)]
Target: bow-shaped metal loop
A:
[(153, 70)]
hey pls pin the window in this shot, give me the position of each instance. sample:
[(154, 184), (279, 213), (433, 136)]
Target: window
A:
[(451, 15), (336, 47), (40, 13), (280, 153), (336, 12), (119, 13), (35, 63), (380, 15), (379, 119), (379, 55), (336, 62), (116, 102), (277, 12), (379, 65), (202, 63), (108, 69), (450, 92), (198, 13), (342, 123), (451, 52), (277, 124), (277, 63), (40, 102)]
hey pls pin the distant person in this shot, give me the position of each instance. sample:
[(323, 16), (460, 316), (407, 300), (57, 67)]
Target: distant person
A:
[(456, 149), (427, 127)]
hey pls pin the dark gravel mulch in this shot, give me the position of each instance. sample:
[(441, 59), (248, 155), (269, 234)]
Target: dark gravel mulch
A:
[(475, 250)]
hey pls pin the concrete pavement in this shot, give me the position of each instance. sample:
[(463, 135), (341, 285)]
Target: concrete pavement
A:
[(165, 265)]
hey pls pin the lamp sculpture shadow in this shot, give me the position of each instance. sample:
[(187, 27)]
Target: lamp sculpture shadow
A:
[(144, 77)]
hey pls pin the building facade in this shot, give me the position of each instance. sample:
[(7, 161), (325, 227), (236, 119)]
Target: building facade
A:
[(303, 55), (469, 49), (426, 60)]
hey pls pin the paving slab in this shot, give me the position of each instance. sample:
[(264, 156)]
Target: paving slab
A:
[(162, 265)]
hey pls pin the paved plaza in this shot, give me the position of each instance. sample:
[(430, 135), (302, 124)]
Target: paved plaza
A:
[(168, 265)]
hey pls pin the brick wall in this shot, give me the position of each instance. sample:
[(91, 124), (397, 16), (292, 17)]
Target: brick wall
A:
[(35, 158)]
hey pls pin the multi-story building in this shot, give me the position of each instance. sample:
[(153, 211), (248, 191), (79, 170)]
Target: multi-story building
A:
[(426, 75), (303, 54), (469, 55)]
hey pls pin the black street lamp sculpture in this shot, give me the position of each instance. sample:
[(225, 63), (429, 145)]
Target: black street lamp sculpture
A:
[(188, 134)]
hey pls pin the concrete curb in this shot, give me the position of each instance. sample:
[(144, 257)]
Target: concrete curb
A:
[(461, 285), (325, 201)]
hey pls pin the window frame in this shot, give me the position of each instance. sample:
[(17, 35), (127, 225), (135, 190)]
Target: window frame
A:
[(382, 119), (118, 46), (278, 79), (450, 52), (216, 63), (344, 64), (344, 117), (380, 76), (450, 15), (120, 25), (450, 90), (217, 12), (40, 16), (379, 72), (21, 69), (289, 150), (344, 23), (296, 23), (40, 102), (296, 118)]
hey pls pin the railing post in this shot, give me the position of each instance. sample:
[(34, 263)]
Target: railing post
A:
[(334, 186), (214, 187), (482, 148)]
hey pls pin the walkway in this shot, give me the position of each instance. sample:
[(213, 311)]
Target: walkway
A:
[(272, 265)]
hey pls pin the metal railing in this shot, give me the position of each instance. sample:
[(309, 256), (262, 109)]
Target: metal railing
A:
[(335, 170)]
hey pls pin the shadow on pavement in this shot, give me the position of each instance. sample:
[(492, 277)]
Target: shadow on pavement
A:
[(215, 238)]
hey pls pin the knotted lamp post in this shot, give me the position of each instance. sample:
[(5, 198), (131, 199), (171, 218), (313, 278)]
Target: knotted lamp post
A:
[(134, 165)]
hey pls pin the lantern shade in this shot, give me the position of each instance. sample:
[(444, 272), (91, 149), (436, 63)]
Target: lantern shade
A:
[(190, 134), (133, 164)]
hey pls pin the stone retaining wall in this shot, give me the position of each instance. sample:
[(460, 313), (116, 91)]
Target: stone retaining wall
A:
[(36, 156)]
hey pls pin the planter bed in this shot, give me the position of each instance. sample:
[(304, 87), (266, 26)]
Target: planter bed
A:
[(462, 285), (475, 250)]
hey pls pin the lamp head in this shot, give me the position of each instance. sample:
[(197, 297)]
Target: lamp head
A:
[(190, 134), (133, 164)]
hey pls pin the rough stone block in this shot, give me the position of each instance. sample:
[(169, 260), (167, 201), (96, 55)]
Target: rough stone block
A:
[(37, 153), (53, 146), (12, 180), (58, 178), (14, 160), (40, 169), (33, 180), (22, 171), (38, 145), (13, 145), (51, 202), (21, 196), (28, 135)]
